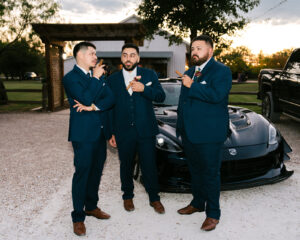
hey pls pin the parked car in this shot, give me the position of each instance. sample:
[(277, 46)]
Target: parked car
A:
[(279, 90), (30, 75), (253, 154)]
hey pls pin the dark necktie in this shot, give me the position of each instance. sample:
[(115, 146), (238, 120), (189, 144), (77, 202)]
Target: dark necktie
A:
[(88, 75)]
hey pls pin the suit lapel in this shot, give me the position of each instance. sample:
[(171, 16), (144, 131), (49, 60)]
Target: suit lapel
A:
[(207, 66), (82, 77), (121, 85)]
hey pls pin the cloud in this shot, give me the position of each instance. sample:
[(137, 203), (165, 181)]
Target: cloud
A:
[(276, 12), (86, 6)]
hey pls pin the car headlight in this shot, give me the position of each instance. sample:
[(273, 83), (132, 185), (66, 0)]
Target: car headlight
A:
[(166, 144), (272, 135)]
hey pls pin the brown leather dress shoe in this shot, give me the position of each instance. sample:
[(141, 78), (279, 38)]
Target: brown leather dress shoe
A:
[(158, 207), (97, 213), (189, 210), (209, 224), (79, 228), (128, 205)]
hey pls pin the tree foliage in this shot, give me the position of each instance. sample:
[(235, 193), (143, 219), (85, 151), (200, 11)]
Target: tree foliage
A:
[(186, 18), (242, 60), (16, 17), (19, 58)]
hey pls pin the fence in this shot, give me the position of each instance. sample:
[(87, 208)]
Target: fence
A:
[(43, 91), (244, 93)]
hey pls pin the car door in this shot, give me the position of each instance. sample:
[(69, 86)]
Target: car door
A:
[(290, 84)]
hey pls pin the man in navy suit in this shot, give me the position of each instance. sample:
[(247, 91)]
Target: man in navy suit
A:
[(86, 94), (203, 123), (134, 125)]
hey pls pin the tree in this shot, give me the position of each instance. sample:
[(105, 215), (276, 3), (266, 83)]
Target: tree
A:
[(239, 60), (276, 60), (16, 17), (186, 18), (19, 57)]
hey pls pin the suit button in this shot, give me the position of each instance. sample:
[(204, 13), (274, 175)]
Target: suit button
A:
[(132, 124), (101, 126)]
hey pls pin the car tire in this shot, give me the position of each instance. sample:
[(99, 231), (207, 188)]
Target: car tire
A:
[(268, 108)]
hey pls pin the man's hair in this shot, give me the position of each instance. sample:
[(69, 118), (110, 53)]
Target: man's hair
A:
[(204, 38), (131, 45), (80, 46)]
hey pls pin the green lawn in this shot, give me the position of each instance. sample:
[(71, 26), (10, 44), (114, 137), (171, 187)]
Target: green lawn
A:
[(245, 87), (21, 107)]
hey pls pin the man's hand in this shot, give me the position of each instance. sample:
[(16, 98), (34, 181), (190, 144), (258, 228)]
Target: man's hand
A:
[(112, 141), (80, 107), (187, 81), (137, 86), (98, 71)]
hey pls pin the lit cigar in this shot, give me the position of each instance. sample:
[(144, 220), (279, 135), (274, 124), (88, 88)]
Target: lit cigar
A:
[(135, 79), (179, 73), (101, 62)]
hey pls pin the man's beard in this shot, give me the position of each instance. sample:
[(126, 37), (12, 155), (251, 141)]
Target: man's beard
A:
[(130, 68), (199, 61)]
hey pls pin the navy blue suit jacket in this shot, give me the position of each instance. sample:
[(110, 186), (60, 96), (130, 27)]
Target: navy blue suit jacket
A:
[(86, 126), (202, 109), (145, 120)]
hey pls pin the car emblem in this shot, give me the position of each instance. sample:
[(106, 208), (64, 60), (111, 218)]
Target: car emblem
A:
[(232, 151)]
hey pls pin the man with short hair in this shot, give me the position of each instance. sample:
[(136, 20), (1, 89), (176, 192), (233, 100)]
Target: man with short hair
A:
[(203, 123), (134, 125), (87, 93)]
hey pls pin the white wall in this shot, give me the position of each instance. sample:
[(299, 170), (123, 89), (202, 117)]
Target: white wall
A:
[(176, 62)]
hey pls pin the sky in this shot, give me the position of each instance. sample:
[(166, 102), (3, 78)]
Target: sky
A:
[(274, 25)]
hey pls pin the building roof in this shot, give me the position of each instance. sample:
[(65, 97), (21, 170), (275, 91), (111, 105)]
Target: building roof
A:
[(148, 54), (130, 32)]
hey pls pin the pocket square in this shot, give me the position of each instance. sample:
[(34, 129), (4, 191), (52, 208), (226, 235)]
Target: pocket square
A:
[(203, 82), (148, 83)]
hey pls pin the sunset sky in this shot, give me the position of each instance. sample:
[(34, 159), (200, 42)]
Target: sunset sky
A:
[(274, 24)]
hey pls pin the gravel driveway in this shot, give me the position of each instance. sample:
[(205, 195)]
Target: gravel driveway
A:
[(35, 193)]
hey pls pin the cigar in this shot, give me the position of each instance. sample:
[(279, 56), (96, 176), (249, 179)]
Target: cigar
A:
[(179, 73), (101, 62), (135, 79)]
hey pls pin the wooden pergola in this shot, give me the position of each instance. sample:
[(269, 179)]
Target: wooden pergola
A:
[(54, 37)]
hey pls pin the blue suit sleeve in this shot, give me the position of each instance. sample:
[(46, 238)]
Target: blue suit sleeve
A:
[(214, 92), (85, 94), (154, 92), (105, 99)]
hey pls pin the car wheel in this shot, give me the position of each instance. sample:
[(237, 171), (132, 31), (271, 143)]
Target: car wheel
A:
[(268, 107)]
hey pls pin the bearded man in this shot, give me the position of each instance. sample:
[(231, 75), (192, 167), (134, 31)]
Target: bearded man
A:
[(203, 124), (134, 126)]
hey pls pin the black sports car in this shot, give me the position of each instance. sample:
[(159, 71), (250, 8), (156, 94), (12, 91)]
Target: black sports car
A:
[(253, 154)]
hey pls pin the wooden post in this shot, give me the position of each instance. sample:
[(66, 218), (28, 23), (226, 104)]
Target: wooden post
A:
[(44, 94)]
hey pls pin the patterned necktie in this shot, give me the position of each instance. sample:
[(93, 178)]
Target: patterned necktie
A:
[(197, 74)]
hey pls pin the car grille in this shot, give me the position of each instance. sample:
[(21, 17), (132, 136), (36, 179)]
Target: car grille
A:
[(240, 170)]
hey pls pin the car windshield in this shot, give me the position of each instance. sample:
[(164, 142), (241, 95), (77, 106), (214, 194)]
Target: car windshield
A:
[(172, 94)]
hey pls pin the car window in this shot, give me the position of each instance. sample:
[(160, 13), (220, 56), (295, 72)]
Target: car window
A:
[(293, 65), (172, 94)]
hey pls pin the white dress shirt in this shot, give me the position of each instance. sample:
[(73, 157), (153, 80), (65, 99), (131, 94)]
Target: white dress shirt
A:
[(128, 77)]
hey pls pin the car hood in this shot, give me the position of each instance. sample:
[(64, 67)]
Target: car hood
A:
[(246, 127)]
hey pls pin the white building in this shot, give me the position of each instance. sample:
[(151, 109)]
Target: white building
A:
[(155, 54)]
